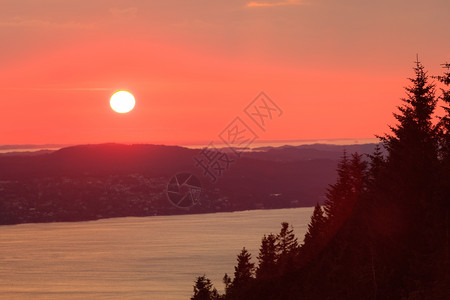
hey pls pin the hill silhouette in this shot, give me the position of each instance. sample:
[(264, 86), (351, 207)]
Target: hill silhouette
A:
[(34, 188)]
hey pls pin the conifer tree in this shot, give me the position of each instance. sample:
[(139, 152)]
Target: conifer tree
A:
[(370, 207), (376, 162), (412, 149), (342, 196), (445, 97), (315, 235), (286, 241), (338, 193), (204, 290), (244, 271), (287, 248), (411, 190), (444, 152), (267, 257), (444, 144), (414, 134), (358, 175), (227, 281)]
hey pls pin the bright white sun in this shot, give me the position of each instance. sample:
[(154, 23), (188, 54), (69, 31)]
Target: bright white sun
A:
[(122, 102)]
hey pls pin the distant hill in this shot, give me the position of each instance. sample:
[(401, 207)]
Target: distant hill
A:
[(308, 152), (109, 180), (97, 160), (26, 153)]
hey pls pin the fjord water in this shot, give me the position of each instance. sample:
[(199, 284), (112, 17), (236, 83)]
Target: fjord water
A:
[(132, 258)]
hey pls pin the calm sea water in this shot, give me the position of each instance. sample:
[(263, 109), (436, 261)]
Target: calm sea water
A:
[(132, 258)]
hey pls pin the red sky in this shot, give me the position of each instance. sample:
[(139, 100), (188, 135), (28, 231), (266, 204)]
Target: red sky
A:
[(336, 68)]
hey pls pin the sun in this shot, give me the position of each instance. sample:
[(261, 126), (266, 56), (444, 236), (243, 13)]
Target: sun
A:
[(122, 102)]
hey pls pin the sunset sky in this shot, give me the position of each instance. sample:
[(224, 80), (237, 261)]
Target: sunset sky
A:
[(335, 68)]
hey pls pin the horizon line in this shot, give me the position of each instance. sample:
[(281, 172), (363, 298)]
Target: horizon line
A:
[(5, 148)]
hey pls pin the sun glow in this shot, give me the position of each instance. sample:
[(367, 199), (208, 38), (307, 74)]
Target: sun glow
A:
[(122, 102)]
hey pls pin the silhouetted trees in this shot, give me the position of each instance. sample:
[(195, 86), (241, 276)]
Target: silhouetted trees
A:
[(315, 237), (204, 290), (245, 269), (383, 231), (445, 120), (411, 192), (342, 196), (316, 226), (287, 248), (267, 258), (243, 276)]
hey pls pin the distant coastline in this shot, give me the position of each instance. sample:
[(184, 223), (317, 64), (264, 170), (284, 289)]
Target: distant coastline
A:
[(31, 147), (89, 182), (279, 143), (263, 143)]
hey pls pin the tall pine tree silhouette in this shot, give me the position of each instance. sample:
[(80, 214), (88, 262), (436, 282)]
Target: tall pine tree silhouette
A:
[(342, 196), (337, 194), (410, 192), (244, 271), (287, 248), (315, 238), (267, 258), (315, 226)]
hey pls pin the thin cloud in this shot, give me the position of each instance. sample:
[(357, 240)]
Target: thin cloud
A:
[(57, 89), (33, 23), (274, 4), (129, 12)]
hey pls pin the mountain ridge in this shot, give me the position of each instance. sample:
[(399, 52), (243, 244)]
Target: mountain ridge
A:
[(110, 180)]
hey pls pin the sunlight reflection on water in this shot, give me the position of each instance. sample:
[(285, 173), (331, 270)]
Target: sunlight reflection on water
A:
[(132, 258)]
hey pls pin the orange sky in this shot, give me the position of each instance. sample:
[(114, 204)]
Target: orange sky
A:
[(336, 68)]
